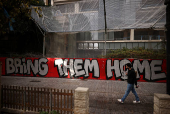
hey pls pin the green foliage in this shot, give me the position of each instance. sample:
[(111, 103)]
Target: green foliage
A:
[(26, 36), (139, 53), (17, 10), (37, 3), (43, 112), (55, 112), (52, 112)]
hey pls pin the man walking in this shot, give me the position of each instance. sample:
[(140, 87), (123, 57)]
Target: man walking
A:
[(130, 87)]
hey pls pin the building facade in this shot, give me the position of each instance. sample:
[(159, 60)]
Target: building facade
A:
[(129, 25)]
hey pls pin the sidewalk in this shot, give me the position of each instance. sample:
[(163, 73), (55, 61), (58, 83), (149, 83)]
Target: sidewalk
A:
[(103, 93)]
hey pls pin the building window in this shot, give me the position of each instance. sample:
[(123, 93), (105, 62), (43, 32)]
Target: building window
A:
[(120, 45), (154, 45), (94, 35), (80, 46), (149, 35), (96, 46), (129, 45), (107, 45), (67, 8), (118, 35), (161, 45), (87, 36), (110, 36), (141, 35), (80, 36), (92, 6), (135, 45), (123, 45), (86, 46), (101, 45), (141, 44), (112, 46), (90, 45), (101, 35), (117, 45)]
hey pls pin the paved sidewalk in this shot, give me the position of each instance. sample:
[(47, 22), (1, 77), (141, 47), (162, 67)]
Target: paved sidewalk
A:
[(103, 93)]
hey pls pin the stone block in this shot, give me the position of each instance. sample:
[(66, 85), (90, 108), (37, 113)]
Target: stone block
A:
[(82, 89), (81, 110), (156, 109), (162, 96), (154, 113), (162, 100), (81, 103), (156, 101), (81, 96), (81, 93), (164, 103), (164, 111), (161, 104)]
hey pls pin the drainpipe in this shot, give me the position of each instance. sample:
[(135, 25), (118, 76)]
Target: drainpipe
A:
[(105, 35), (44, 45), (167, 3)]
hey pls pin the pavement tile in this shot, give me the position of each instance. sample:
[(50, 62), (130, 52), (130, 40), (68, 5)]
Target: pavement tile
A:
[(103, 94)]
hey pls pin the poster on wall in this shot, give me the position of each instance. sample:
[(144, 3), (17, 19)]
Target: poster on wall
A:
[(148, 70)]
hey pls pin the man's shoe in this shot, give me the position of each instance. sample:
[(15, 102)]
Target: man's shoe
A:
[(119, 100), (136, 102)]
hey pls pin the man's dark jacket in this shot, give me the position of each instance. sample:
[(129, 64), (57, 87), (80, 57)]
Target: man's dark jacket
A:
[(131, 76)]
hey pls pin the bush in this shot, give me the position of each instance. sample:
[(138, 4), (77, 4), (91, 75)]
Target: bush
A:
[(139, 53)]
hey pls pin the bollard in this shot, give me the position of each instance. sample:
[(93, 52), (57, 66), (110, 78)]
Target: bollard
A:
[(81, 101), (161, 103)]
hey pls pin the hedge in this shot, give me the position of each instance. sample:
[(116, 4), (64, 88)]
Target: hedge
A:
[(139, 53)]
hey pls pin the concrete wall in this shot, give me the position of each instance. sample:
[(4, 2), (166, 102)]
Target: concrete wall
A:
[(71, 45), (60, 45)]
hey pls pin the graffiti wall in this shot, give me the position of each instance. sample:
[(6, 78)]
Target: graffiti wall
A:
[(84, 68)]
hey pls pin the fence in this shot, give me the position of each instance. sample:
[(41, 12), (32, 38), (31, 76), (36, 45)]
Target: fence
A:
[(37, 99)]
